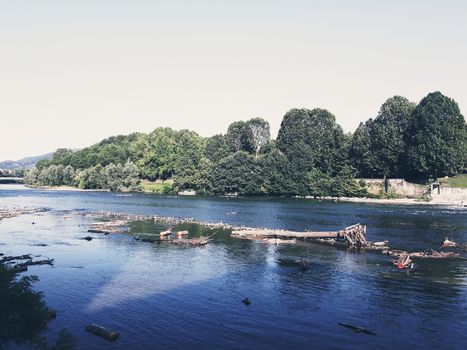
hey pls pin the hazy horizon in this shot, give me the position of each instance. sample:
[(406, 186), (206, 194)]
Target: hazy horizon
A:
[(75, 73)]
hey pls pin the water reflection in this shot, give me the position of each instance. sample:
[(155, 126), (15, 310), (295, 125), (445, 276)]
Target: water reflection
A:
[(24, 315)]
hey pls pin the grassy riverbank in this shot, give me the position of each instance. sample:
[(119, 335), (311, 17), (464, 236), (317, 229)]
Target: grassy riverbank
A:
[(459, 181), (157, 187)]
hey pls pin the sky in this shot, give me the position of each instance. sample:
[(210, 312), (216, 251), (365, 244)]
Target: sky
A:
[(75, 72)]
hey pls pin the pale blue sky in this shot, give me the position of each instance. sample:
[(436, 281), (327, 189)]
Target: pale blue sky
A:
[(74, 72)]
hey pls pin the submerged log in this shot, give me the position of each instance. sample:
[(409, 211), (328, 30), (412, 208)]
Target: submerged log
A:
[(22, 267), (198, 241), (433, 254), (278, 241), (102, 332), (356, 329), (32, 263)]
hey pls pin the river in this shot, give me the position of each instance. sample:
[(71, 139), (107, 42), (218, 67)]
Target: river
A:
[(170, 297)]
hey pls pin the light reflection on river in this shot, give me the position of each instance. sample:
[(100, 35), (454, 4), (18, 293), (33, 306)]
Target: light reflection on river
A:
[(173, 297)]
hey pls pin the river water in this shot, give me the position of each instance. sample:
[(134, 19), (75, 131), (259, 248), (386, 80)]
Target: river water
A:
[(170, 297)]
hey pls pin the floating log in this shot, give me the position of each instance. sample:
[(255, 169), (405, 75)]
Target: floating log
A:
[(98, 231), (102, 332)]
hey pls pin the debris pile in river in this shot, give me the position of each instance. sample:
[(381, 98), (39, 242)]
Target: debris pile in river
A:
[(403, 261), (432, 254), (352, 236)]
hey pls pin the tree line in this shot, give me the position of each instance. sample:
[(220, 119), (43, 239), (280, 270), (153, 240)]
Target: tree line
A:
[(310, 156)]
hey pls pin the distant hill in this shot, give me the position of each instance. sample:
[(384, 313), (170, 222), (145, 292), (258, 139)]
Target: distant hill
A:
[(24, 163)]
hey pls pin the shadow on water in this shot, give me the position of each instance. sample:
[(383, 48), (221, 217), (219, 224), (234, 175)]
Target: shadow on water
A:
[(24, 315)]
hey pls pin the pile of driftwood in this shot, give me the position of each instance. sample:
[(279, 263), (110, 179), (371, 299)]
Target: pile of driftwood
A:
[(353, 236), (404, 258), (12, 262)]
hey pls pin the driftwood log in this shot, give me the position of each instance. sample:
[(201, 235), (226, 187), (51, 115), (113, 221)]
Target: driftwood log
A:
[(102, 332)]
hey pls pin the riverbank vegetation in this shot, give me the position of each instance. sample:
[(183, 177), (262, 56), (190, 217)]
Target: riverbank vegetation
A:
[(459, 181), (310, 156)]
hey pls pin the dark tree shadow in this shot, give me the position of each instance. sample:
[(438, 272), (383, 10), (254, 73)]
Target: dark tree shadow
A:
[(24, 314)]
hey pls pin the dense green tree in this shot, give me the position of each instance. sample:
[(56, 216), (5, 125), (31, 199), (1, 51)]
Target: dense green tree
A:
[(32, 176), (239, 137), (436, 138), (216, 148), (91, 178), (238, 173), (311, 139), (159, 158), (278, 176), (361, 151), (378, 146)]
